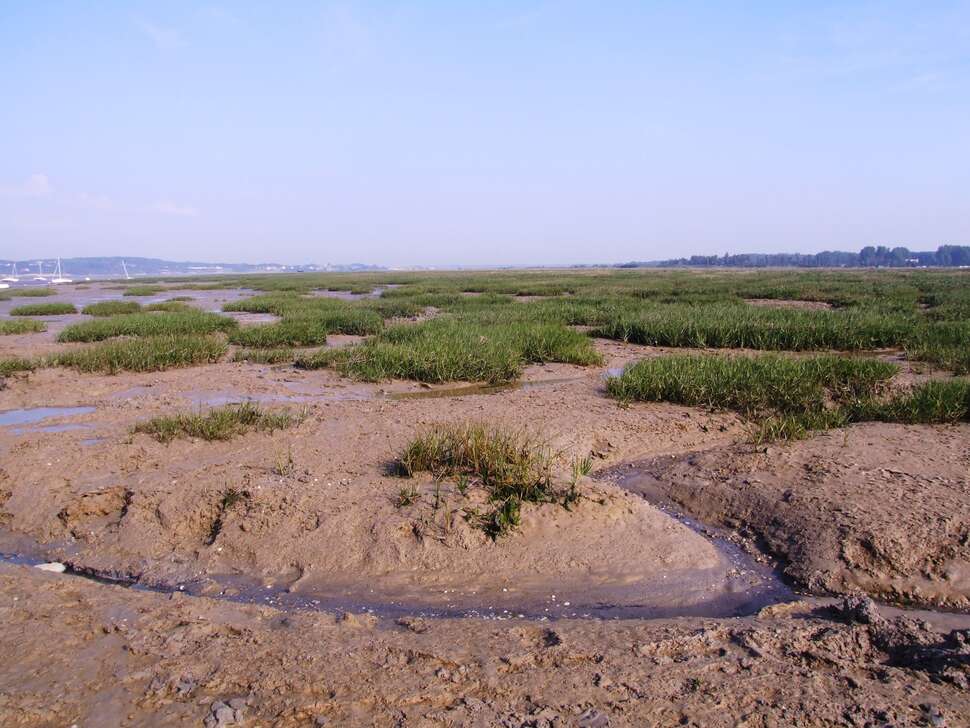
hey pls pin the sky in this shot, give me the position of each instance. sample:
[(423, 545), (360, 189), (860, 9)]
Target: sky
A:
[(481, 133)]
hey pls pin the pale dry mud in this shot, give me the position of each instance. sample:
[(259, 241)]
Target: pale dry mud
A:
[(87, 654), (882, 508)]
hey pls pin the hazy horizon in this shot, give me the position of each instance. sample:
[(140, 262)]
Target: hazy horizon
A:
[(440, 134)]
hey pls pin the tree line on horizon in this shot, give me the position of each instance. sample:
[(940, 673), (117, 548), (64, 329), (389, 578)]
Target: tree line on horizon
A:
[(869, 257)]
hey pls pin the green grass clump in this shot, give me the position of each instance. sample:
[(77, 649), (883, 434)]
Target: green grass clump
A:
[(301, 332), (786, 397), (447, 350), (146, 290), (512, 466), (789, 397), (265, 356), (31, 292), (43, 309), (16, 364), (928, 403), (148, 324), (752, 385), (171, 305), (741, 326), (222, 423), (148, 354), (111, 308), (23, 326)]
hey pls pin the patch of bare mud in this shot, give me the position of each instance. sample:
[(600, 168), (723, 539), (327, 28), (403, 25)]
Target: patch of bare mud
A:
[(876, 507)]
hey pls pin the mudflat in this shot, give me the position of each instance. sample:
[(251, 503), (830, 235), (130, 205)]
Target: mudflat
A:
[(237, 539)]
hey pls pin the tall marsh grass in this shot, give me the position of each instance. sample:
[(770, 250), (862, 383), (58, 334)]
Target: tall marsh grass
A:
[(147, 354), (447, 350), (21, 326), (788, 397), (43, 309), (111, 308), (148, 324)]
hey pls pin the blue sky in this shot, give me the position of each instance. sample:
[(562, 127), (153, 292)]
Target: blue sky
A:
[(437, 133)]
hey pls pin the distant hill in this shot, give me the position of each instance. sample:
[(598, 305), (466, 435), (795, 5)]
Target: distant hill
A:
[(114, 267), (868, 257)]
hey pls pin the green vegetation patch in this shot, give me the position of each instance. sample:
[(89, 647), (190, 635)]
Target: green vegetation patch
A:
[(740, 326), (927, 403), (43, 309), (265, 356), (446, 350), (788, 397), (148, 354), (111, 308), (305, 321), (22, 326), (513, 467), (222, 423), (148, 324), (171, 305), (41, 292), (752, 385), (16, 364), (146, 290)]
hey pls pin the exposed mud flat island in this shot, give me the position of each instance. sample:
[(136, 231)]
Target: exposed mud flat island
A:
[(591, 498)]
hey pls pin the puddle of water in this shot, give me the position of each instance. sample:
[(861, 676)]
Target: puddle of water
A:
[(50, 428), (91, 441), (36, 414)]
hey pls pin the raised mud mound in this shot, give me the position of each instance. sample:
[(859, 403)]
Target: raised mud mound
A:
[(877, 507)]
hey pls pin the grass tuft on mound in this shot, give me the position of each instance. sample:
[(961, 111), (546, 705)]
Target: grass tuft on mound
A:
[(148, 324), (111, 308), (23, 326), (43, 309), (148, 354), (222, 423), (512, 466)]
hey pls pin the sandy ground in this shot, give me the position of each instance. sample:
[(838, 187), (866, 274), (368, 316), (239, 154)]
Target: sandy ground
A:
[(318, 531)]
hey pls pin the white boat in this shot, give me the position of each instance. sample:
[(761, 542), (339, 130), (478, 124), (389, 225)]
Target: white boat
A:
[(125, 269), (59, 276), (4, 285), (12, 278), (40, 271)]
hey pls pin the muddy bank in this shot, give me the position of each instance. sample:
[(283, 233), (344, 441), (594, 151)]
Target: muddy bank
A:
[(317, 509), (878, 507), (130, 658)]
